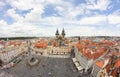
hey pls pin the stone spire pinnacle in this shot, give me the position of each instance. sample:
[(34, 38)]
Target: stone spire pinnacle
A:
[(63, 32), (57, 32)]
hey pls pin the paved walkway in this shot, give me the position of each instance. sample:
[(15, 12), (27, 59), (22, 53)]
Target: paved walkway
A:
[(48, 67), (57, 56)]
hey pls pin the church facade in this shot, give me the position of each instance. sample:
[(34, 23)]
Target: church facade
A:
[(60, 38)]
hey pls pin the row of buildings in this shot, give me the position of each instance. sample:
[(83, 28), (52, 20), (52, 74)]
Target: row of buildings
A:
[(11, 49), (102, 57)]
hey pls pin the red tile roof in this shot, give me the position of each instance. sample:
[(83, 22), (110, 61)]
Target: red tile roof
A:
[(92, 49)]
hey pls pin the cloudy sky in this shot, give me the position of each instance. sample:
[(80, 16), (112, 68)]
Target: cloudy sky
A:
[(43, 17)]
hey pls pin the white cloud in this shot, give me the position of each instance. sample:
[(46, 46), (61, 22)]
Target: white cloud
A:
[(21, 4), (75, 12), (12, 13), (32, 24), (29, 4), (81, 31), (69, 12), (52, 20), (22, 29), (91, 31), (2, 23), (114, 19), (35, 14), (117, 12), (98, 5), (28, 29), (95, 20), (2, 4), (60, 9), (118, 26), (101, 19)]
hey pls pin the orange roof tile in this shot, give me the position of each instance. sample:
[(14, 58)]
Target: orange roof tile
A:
[(98, 48), (100, 63), (41, 44)]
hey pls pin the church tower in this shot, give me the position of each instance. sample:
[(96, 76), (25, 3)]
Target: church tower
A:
[(57, 33), (60, 38), (63, 33)]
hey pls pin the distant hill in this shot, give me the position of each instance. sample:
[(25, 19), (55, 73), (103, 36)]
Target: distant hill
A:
[(14, 38), (22, 38)]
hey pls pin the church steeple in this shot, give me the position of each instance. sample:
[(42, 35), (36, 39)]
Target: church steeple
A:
[(63, 32), (57, 33)]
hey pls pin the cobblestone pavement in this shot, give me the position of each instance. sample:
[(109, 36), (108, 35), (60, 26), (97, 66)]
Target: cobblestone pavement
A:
[(48, 67)]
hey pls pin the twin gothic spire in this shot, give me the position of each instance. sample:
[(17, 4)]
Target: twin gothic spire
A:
[(63, 32)]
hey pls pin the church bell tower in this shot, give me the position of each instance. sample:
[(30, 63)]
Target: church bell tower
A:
[(57, 33), (63, 33)]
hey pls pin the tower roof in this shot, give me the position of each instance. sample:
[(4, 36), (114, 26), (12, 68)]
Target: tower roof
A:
[(63, 32), (57, 32)]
